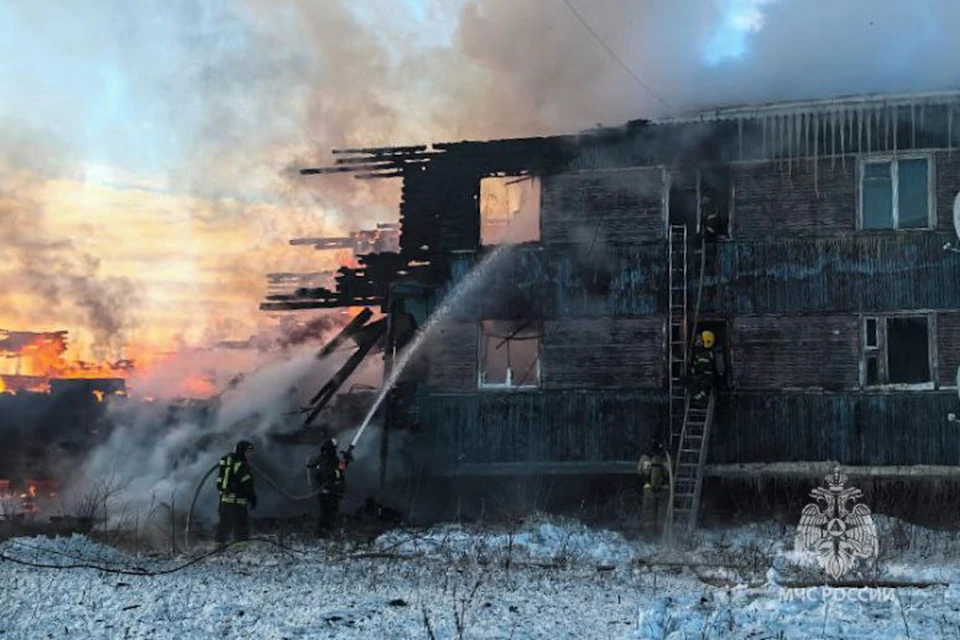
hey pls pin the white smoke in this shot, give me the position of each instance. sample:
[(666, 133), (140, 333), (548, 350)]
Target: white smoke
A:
[(158, 452)]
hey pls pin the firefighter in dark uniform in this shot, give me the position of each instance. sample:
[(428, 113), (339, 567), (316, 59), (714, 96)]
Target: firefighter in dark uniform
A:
[(711, 222), (704, 369), (653, 474), (235, 482), (328, 474)]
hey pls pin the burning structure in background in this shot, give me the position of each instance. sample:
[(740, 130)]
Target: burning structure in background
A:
[(34, 361)]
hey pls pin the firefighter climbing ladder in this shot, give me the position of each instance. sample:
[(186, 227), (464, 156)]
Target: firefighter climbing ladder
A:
[(690, 421)]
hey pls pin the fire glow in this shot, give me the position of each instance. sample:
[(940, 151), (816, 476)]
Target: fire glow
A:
[(30, 360), (26, 501)]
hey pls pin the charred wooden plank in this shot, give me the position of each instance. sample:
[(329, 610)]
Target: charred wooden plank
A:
[(347, 332)]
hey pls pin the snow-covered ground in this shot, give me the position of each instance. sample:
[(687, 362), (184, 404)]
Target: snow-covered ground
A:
[(542, 579)]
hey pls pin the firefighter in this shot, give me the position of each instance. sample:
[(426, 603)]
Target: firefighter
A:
[(704, 370), (711, 223), (328, 474), (235, 482), (653, 472)]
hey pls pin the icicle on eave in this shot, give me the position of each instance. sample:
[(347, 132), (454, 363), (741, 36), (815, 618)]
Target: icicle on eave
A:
[(845, 115), (859, 116), (763, 137), (950, 131), (923, 112), (869, 127), (895, 128), (783, 141), (913, 126), (740, 138), (887, 115), (816, 155), (833, 139)]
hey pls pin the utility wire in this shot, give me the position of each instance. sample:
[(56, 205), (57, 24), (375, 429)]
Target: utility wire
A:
[(616, 58), (138, 571)]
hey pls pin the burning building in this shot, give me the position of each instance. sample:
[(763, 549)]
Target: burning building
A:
[(833, 299)]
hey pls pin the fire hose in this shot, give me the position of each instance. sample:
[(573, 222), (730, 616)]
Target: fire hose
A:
[(270, 481)]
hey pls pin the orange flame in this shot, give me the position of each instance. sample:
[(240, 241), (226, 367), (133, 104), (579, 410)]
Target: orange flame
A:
[(30, 360)]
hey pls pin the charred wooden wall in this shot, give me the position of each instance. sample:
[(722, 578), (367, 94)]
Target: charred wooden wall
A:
[(628, 204), (885, 271), (554, 426), (854, 428), (608, 353), (771, 200), (855, 273), (777, 352)]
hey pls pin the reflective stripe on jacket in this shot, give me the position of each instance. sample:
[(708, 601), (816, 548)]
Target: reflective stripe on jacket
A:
[(234, 480)]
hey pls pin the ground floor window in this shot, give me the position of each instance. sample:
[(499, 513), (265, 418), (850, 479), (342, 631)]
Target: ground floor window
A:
[(897, 350), (509, 355)]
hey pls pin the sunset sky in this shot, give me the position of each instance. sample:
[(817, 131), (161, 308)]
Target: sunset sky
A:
[(148, 149)]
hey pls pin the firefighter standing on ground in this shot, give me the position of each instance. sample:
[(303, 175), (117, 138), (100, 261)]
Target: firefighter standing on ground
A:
[(328, 475), (652, 468), (235, 482)]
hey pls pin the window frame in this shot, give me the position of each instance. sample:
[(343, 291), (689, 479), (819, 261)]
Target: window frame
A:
[(882, 351), (508, 179), (508, 385), (894, 160)]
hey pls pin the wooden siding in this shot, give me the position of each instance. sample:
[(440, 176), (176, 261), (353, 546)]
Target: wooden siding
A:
[(625, 353), (548, 426), (887, 271), (772, 200), (549, 282), (452, 354), (864, 273), (854, 429), (948, 348), (777, 352), (621, 206)]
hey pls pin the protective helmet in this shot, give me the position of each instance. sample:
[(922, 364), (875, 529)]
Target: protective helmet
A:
[(329, 445), (244, 446), (708, 339)]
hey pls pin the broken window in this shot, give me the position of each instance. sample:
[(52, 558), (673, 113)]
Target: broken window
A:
[(701, 198), (509, 210), (684, 199), (509, 354), (895, 193), (896, 350)]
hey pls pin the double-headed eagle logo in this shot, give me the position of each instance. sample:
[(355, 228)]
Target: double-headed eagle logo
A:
[(836, 527)]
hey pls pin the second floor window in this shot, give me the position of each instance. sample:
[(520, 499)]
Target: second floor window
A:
[(895, 193)]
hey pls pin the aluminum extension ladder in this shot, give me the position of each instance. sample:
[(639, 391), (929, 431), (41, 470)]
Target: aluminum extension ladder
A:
[(677, 328), (689, 464)]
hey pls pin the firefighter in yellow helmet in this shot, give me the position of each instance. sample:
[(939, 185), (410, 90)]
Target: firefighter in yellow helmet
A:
[(704, 370)]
